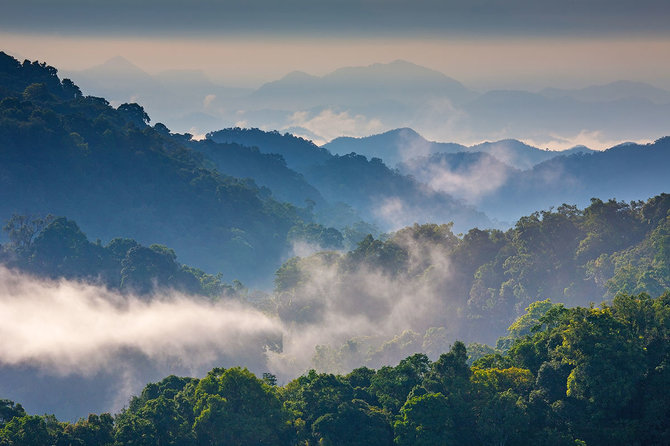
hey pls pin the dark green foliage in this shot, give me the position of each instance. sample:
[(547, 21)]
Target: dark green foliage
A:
[(143, 268), (161, 415), (316, 235), (66, 154), (450, 371), (233, 407), (55, 247), (391, 385), (94, 431), (299, 153), (488, 276), (28, 430), (134, 114), (268, 170), (312, 396), (62, 250), (425, 421), (599, 376), (387, 256), (9, 410), (21, 229), (355, 423)]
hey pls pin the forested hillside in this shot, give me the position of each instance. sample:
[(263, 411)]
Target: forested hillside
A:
[(68, 154), (441, 182), (401, 145), (376, 193), (508, 179), (55, 248), (299, 153), (414, 291), (266, 169), (595, 376), (627, 172), (475, 285)]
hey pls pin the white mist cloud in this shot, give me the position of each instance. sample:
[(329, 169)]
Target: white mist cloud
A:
[(482, 178), (330, 124), (469, 182), (197, 133), (593, 139), (65, 329), (332, 307), (410, 147), (208, 100), (70, 327), (302, 248), (394, 212)]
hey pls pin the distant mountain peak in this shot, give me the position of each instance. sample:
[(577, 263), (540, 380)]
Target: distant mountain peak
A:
[(397, 68), (400, 63), (292, 80), (404, 131), (297, 75), (118, 59), (579, 148), (120, 62), (116, 66)]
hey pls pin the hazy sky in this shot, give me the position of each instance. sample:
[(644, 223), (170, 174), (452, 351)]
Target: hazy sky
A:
[(338, 18), (483, 43)]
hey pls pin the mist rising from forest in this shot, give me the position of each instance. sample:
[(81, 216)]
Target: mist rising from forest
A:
[(63, 328)]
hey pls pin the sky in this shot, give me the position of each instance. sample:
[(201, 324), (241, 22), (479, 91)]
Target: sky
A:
[(483, 43)]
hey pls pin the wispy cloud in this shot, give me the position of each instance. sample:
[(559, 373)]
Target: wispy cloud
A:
[(593, 139), (482, 177), (62, 328), (329, 124), (71, 327)]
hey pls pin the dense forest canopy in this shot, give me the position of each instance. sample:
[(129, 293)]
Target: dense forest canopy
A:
[(596, 376), (414, 291), (488, 277)]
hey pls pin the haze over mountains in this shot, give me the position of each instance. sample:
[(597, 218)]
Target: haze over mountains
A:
[(272, 208), (404, 144), (504, 180), (360, 101)]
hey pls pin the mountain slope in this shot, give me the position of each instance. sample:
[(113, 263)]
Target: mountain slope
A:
[(377, 193), (626, 172), (387, 197), (266, 169), (465, 175), (403, 144), (178, 97), (299, 153), (357, 86), (66, 154)]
